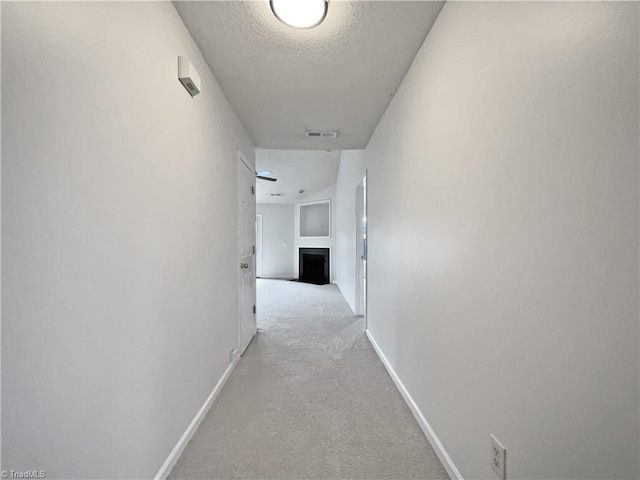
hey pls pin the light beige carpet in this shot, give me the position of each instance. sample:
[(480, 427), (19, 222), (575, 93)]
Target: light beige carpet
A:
[(309, 399)]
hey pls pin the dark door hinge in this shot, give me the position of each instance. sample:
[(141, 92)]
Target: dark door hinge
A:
[(254, 249), (253, 191), (254, 309)]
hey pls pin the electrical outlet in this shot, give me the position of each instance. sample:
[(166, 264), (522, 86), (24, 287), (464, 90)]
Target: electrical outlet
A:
[(498, 458)]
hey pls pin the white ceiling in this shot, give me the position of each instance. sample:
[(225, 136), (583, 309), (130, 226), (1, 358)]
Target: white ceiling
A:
[(309, 170), (340, 75)]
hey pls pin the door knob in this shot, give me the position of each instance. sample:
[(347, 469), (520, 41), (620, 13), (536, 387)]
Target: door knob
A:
[(244, 265)]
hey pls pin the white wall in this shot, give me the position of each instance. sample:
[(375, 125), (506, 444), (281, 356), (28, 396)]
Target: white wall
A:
[(277, 240), (328, 193), (350, 174), (503, 236), (118, 240)]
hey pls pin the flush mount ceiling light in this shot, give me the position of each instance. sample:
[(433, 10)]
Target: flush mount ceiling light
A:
[(300, 13)]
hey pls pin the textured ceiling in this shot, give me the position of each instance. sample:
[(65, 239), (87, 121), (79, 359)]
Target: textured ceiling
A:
[(310, 170), (340, 75)]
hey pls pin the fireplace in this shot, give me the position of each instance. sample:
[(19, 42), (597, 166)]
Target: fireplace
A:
[(314, 265)]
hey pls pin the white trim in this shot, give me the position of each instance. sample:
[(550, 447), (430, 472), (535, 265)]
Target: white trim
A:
[(361, 282), (259, 244), (442, 454), (173, 457)]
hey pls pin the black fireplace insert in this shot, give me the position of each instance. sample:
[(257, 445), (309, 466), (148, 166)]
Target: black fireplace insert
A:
[(314, 265)]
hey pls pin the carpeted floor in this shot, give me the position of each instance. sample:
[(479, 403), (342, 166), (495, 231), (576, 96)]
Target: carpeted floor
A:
[(309, 400)]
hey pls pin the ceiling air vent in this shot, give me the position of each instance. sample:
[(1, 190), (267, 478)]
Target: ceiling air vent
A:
[(321, 134)]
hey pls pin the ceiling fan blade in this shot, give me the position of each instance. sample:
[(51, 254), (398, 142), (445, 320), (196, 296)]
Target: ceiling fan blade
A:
[(260, 177)]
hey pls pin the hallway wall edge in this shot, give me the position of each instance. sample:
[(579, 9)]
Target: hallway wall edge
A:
[(447, 461), (169, 463)]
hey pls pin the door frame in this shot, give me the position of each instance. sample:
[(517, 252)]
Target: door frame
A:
[(361, 267), (259, 221)]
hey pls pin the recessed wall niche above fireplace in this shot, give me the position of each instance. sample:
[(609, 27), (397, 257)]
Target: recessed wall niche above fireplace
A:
[(314, 265), (315, 219)]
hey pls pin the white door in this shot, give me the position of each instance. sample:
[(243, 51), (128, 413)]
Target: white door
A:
[(246, 255), (259, 245)]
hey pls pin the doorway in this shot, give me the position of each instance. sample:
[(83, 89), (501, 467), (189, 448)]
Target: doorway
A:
[(361, 249), (246, 254)]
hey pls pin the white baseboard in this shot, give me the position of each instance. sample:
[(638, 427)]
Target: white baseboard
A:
[(442, 454), (173, 457)]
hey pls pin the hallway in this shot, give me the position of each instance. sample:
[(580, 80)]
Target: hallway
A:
[(309, 399)]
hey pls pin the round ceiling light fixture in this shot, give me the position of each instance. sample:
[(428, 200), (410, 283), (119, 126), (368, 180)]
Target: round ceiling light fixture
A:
[(300, 13)]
